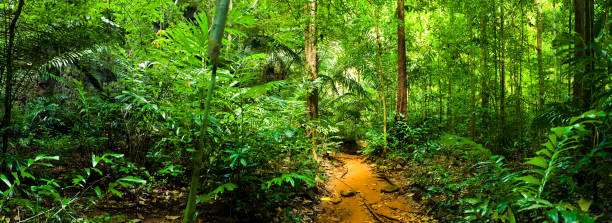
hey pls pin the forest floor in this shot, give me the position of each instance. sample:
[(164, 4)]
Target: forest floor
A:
[(356, 190), (358, 193)]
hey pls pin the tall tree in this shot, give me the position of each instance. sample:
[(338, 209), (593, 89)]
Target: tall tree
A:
[(310, 50), (502, 75), (402, 89), (583, 25), (541, 89), (472, 84), (8, 82), (380, 71)]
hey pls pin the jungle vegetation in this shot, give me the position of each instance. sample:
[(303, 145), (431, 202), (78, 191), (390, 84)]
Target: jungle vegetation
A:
[(498, 110)]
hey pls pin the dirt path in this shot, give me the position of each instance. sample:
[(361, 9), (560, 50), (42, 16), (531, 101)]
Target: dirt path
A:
[(368, 204)]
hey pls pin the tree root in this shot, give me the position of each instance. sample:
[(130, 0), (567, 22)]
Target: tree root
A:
[(376, 215)]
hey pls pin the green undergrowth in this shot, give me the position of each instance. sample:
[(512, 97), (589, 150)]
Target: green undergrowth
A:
[(565, 180)]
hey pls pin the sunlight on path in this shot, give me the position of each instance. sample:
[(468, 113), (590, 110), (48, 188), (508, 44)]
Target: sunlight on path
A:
[(355, 174)]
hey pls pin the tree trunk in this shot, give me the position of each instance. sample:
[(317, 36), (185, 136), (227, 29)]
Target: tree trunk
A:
[(484, 92), (519, 86), (8, 87), (541, 87), (583, 25), (402, 90), (440, 92), (310, 49), (214, 46), (380, 73), (472, 86), (502, 75), (555, 67)]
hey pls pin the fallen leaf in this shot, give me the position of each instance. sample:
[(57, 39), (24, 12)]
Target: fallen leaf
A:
[(172, 217), (326, 199)]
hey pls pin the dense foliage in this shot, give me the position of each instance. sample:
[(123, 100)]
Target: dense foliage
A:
[(496, 110)]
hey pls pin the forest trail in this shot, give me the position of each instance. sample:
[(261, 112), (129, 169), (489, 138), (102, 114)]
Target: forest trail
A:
[(365, 203)]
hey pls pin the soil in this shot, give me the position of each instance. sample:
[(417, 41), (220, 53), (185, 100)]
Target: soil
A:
[(369, 204)]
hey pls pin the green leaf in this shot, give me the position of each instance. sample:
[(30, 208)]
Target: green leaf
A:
[(553, 214), (529, 179), (115, 192), (94, 160), (538, 161), (570, 216), (510, 215), (113, 155), (5, 180), (584, 204), (98, 192), (43, 157), (133, 179)]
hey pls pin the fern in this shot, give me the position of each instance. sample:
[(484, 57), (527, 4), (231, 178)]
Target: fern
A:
[(548, 161)]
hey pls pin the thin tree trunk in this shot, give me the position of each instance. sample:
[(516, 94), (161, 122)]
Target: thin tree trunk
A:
[(402, 90), (310, 49), (519, 87), (440, 91), (472, 87), (555, 68), (541, 87), (214, 46), (8, 97), (380, 73), (484, 92), (502, 81)]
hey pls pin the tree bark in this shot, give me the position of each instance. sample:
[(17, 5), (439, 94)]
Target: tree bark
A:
[(502, 75), (556, 71), (484, 92), (310, 49), (8, 87), (583, 25), (402, 89), (541, 87), (472, 86)]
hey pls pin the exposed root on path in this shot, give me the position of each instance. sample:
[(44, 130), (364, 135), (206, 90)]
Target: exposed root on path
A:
[(369, 204)]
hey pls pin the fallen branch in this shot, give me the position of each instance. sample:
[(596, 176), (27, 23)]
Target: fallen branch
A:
[(345, 172)]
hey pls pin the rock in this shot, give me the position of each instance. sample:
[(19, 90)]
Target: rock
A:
[(348, 193), (336, 200), (390, 189)]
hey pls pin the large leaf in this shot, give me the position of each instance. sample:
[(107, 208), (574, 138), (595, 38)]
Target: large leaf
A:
[(529, 179), (538, 161)]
